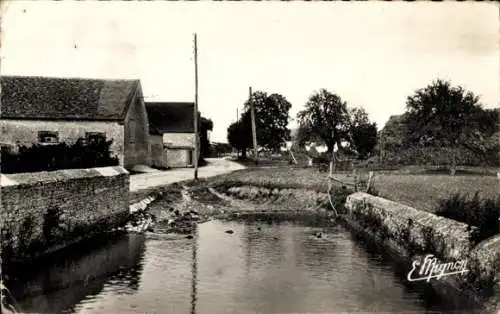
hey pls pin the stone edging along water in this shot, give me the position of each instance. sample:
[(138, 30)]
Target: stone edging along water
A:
[(412, 234), (407, 232), (138, 211)]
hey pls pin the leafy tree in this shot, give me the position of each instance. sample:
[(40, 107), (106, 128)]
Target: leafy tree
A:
[(485, 145), (393, 134), (205, 126), (325, 117), (239, 135), (220, 148), (271, 118), (364, 133), (447, 116), (305, 135)]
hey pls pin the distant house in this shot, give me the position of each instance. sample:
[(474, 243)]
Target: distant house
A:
[(171, 126), (48, 110)]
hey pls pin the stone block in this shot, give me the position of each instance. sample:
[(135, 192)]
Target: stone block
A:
[(409, 225), (51, 208)]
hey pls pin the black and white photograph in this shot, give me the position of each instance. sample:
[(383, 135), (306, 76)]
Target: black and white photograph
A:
[(248, 157)]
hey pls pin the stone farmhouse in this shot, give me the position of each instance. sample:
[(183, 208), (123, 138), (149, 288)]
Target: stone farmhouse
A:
[(48, 110), (171, 128)]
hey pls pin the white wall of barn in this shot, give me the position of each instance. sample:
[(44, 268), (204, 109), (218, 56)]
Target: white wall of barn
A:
[(25, 132), (179, 139)]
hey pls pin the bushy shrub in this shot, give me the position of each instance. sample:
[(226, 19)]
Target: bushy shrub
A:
[(417, 155), (60, 156), (474, 211)]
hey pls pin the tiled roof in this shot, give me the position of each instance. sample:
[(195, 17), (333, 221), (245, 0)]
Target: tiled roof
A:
[(170, 117), (49, 98)]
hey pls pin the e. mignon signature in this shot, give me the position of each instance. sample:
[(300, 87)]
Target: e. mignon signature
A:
[(430, 267)]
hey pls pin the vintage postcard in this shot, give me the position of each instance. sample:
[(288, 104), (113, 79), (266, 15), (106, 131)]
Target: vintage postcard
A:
[(167, 157)]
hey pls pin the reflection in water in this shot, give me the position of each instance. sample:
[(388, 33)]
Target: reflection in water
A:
[(264, 267), (194, 271), (394, 263), (59, 286)]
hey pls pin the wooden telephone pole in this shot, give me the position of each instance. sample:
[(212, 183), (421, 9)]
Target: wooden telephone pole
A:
[(254, 132), (196, 137), (237, 128)]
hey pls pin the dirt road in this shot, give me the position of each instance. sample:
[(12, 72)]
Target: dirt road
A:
[(215, 167)]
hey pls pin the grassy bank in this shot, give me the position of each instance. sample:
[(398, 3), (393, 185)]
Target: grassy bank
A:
[(281, 177), (421, 191)]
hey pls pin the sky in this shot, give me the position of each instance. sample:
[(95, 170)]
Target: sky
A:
[(372, 54)]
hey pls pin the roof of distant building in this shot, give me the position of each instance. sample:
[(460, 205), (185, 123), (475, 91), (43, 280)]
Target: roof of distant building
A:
[(52, 98), (170, 117)]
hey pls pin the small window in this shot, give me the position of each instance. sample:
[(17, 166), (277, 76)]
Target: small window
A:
[(47, 137), (95, 137)]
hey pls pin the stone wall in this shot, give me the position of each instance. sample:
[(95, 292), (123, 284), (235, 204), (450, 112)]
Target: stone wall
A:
[(485, 271), (414, 233), (406, 224), (26, 132), (137, 141), (158, 153), (45, 211)]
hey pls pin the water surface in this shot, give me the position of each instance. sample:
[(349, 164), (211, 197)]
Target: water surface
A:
[(260, 268)]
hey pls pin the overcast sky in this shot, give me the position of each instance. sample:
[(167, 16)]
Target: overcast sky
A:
[(373, 54)]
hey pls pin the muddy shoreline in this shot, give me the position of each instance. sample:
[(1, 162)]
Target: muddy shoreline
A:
[(179, 208)]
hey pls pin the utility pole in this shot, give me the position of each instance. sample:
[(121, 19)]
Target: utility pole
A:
[(254, 132), (237, 128), (196, 138)]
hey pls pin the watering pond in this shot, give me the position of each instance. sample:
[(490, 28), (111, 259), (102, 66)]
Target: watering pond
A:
[(265, 265)]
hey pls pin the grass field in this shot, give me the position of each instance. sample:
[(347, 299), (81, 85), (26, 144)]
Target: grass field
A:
[(424, 191), (421, 191)]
